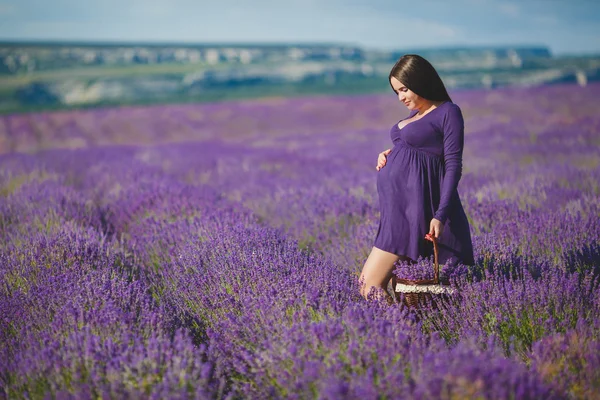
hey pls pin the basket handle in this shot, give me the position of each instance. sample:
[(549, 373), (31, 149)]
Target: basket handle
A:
[(436, 265)]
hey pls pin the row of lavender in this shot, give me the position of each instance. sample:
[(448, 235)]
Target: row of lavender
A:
[(227, 268)]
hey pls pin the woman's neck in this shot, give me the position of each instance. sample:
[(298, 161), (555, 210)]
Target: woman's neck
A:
[(428, 107)]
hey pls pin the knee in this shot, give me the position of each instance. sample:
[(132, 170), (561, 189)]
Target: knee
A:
[(367, 285), (373, 291), (364, 286), (365, 290), (361, 285)]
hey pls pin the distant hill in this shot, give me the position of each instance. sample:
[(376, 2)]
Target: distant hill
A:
[(54, 75)]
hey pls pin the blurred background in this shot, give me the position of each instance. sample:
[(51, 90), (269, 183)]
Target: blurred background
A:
[(73, 54)]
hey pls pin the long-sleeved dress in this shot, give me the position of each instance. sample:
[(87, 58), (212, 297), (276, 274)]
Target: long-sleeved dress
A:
[(419, 182)]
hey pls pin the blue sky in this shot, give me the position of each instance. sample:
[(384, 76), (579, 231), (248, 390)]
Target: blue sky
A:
[(566, 27)]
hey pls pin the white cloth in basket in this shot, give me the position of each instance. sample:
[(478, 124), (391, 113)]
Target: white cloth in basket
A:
[(436, 289)]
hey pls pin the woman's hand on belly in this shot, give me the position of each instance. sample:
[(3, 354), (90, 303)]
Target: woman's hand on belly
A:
[(382, 159)]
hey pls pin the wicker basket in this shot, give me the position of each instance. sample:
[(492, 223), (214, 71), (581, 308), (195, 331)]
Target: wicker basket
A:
[(418, 292)]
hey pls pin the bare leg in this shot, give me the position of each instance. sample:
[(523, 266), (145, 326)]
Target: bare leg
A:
[(377, 272)]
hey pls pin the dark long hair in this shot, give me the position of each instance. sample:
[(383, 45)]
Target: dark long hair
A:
[(417, 74)]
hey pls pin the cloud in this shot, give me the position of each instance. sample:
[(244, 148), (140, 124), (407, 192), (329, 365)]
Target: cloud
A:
[(435, 28), (154, 8), (57, 28), (7, 9), (71, 30), (545, 19), (389, 27), (510, 9)]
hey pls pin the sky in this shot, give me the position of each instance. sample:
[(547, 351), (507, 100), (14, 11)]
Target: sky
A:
[(564, 27)]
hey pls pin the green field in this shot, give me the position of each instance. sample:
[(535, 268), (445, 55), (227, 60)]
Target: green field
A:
[(9, 85)]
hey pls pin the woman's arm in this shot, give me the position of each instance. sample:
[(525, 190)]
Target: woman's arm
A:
[(454, 136)]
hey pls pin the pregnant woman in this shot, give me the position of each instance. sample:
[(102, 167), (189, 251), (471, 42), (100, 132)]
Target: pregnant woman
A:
[(417, 179)]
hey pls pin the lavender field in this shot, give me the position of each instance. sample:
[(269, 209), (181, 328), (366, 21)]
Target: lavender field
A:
[(213, 251)]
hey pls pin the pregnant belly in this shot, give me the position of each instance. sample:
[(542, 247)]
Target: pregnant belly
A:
[(392, 177), (395, 167)]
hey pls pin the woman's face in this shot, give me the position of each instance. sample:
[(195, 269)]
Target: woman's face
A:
[(406, 96)]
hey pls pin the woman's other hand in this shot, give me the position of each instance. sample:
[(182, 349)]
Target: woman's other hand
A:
[(436, 228), (382, 159)]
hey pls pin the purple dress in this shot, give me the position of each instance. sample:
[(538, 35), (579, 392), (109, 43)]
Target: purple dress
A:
[(419, 182)]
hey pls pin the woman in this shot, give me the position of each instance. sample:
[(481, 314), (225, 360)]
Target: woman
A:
[(418, 178)]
